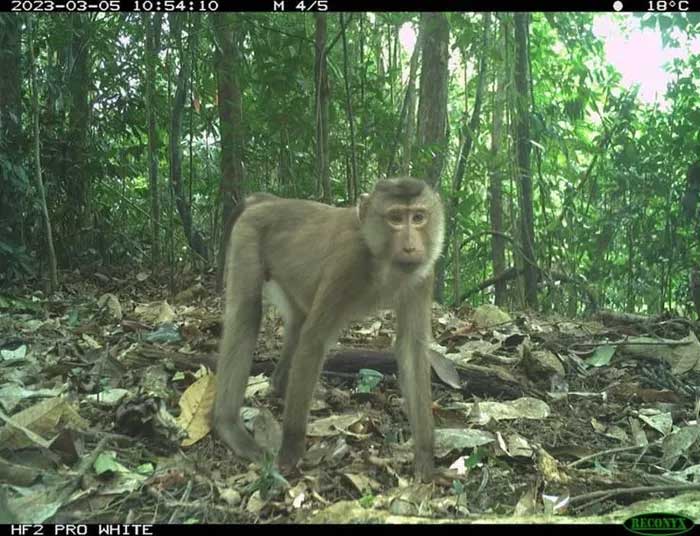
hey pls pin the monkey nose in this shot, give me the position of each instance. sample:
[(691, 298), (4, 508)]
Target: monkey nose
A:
[(409, 249)]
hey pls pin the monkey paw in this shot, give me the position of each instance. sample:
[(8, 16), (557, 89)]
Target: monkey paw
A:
[(424, 470), (287, 463), (290, 454), (240, 441)]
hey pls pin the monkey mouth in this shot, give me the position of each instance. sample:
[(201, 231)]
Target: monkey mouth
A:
[(407, 265)]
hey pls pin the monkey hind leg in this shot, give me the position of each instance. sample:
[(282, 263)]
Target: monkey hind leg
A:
[(242, 316)]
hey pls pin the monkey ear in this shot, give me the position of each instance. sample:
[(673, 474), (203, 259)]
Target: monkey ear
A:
[(362, 204)]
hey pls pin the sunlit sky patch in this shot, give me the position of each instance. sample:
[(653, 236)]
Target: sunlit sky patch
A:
[(407, 36), (638, 54)]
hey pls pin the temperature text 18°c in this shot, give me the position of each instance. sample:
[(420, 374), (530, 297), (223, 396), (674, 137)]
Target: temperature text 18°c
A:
[(669, 5)]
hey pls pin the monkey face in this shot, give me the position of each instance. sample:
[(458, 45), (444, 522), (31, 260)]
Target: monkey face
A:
[(403, 223), (407, 226)]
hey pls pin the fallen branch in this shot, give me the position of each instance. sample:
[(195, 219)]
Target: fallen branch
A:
[(603, 453), (638, 490), (626, 318)]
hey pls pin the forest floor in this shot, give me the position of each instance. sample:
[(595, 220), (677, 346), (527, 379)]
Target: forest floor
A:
[(106, 391)]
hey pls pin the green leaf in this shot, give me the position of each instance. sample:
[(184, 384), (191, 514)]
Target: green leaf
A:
[(665, 22), (475, 458), (368, 380), (167, 333), (601, 356), (145, 469), (107, 462), (366, 501)]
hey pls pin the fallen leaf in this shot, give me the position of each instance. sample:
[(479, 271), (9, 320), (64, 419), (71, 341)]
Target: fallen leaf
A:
[(111, 303), (42, 419), (12, 394), (601, 356), (445, 369), (449, 439), (678, 443), (255, 503), (106, 462), (362, 483), (18, 353), (257, 386), (515, 445), (520, 408), (489, 315), (661, 422), (333, 425), (155, 313), (682, 355), (167, 333), (196, 405), (549, 468)]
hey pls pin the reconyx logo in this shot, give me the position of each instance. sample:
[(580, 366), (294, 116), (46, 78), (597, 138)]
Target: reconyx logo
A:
[(658, 524)]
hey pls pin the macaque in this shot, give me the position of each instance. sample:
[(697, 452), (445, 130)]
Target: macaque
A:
[(324, 266)]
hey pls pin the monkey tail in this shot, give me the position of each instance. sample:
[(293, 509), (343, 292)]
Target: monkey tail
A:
[(225, 239), (254, 199)]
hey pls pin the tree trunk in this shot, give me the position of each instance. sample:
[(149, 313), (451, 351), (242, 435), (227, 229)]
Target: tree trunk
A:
[(498, 243), (522, 143), (79, 177), (153, 27), (689, 208), (10, 129), (353, 190), (691, 196), (51, 252), (230, 126), (432, 105), (322, 106), (432, 111), (631, 239), (194, 237), (11, 79)]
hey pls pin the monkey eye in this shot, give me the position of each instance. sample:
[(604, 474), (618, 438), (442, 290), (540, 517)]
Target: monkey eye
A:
[(418, 218), (395, 217)]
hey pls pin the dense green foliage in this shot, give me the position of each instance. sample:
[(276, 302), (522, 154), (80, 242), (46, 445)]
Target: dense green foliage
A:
[(609, 172)]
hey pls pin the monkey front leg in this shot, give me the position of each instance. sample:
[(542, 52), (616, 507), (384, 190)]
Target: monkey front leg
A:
[(413, 337), (414, 377)]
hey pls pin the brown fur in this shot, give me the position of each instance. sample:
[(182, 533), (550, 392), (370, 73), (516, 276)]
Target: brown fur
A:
[(326, 266)]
